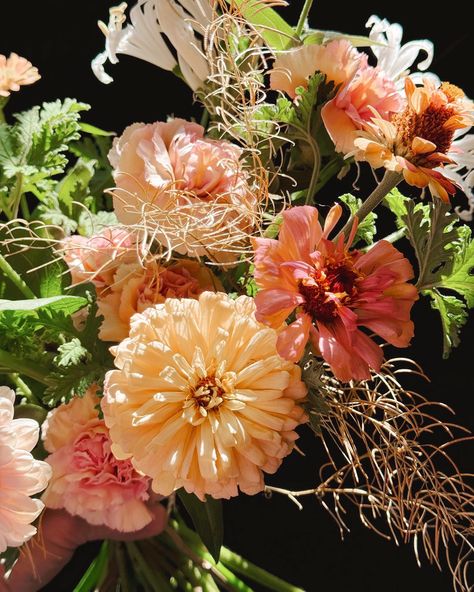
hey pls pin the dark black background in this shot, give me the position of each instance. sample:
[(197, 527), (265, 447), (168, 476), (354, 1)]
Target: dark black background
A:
[(61, 38)]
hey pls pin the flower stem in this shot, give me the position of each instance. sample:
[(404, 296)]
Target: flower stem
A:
[(25, 367), (15, 278), (393, 237), (390, 181), (255, 573), (303, 17)]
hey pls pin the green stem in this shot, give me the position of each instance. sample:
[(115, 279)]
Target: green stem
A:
[(24, 389), (153, 579), (390, 181), (205, 118), (303, 17), (15, 196), (25, 367), (255, 573), (13, 276), (2, 116), (121, 560), (25, 210), (393, 237), (315, 174)]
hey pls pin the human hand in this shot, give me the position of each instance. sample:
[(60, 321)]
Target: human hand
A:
[(59, 534)]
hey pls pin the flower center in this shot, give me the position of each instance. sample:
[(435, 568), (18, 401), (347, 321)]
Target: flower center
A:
[(325, 291), (428, 125), (208, 393)]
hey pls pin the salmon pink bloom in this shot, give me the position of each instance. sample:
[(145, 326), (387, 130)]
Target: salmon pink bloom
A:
[(418, 141), (333, 292), (88, 481), (338, 61), (15, 72), (135, 288)]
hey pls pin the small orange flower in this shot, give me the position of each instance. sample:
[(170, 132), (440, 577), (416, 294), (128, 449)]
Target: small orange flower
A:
[(416, 141), (15, 71)]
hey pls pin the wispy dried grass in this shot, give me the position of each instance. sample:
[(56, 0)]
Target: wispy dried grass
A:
[(389, 452)]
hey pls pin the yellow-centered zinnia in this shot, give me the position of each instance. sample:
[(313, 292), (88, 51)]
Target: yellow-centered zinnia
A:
[(201, 399)]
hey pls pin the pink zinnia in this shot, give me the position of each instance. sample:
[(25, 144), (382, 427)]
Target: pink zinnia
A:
[(334, 292), (88, 481)]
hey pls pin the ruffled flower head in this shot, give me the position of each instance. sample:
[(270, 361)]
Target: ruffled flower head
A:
[(135, 288), (201, 399), (334, 292), (416, 141), (15, 72), (21, 475), (88, 481), (190, 191)]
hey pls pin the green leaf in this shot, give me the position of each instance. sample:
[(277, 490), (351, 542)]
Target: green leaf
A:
[(74, 185), (316, 36), (366, 230), (461, 277), (276, 32), (94, 131), (71, 353), (64, 304), (207, 518), (396, 202), (453, 316)]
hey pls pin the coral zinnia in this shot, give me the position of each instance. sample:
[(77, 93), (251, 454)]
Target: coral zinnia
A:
[(201, 399), (416, 141), (21, 475), (334, 291), (88, 481)]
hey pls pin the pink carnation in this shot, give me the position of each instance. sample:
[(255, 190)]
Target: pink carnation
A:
[(161, 167), (95, 259), (88, 481), (354, 105), (21, 475), (334, 292)]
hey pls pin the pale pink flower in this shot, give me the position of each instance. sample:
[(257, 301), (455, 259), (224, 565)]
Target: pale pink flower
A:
[(96, 259), (88, 481), (15, 72), (201, 399), (338, 60), (353, 106), (135, 288), (190, 191), (334, 292), (21, 475)]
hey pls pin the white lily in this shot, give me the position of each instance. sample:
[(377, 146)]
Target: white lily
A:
[(462, 172), (394, 58), (143, 38)]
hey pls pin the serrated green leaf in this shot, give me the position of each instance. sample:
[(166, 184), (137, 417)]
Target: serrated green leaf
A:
[(453, 316), (396, 202), (71, 353), (461, 276), (277, 33), (74, 184), (207, 518), (366, 230)]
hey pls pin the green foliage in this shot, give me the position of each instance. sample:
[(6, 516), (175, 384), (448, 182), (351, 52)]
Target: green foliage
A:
[(366, 230), (445, 254), (276, 32), (207, 518), (71, 353)]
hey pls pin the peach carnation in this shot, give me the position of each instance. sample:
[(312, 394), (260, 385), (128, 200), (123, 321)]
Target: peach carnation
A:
[(201, 399), (96, 259), (135, 288), (338, 60), (334, 292), (21, 475), (418, 141), (15, 72), (88, 481), (190, 191)]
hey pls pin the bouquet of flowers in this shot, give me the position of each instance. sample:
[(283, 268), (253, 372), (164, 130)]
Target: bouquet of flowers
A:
[(181, 300)]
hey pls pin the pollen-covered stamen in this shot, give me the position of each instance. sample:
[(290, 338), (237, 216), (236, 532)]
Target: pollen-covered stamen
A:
[(428, 125), (208, 393), (326, 290)]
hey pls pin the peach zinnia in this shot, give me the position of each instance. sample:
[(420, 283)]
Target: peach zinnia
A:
[(201, 399), (333, 292), (88, 481), (21, 475), (134, 288), (416, 141), (15, 72)]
